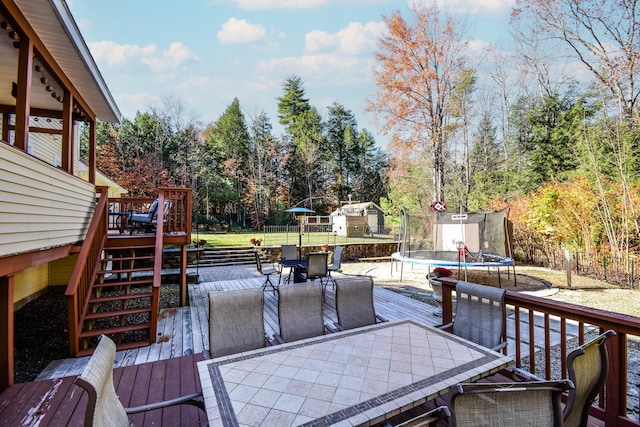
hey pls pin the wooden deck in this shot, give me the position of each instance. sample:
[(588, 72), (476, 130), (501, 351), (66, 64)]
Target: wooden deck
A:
[(168, 367)]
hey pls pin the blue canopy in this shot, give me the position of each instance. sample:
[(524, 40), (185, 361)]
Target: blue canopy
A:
[(300, 211)]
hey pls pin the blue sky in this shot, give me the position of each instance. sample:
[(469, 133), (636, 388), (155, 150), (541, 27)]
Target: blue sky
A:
[(205, 53)]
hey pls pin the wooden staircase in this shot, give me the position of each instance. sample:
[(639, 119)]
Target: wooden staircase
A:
[(121, 298), (218, 257)]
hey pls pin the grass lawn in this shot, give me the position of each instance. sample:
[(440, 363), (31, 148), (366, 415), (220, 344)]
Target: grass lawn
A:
[(276, 239)]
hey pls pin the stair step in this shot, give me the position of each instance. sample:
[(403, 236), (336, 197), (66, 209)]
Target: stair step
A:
[(115, 330), (115, 283), (116, 313), (114, 298), (126, 270), (129, 258)]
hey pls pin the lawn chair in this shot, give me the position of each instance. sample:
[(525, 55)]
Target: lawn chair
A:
[(236, 321), (529, 404), (354, 302), (267, 272), (299, 312), (588, 367), (103, 406), (480, 315)]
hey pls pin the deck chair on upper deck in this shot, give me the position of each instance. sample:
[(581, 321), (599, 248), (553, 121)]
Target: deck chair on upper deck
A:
[(103, 406), (236, 321), (147, 221), (354, 302), (480, 315), (530, 404)]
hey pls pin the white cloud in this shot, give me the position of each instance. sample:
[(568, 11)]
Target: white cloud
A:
[(236, 31), (280, 4), (318, 66), (117, 54), (176, 55), (468, 6), (354, 39)]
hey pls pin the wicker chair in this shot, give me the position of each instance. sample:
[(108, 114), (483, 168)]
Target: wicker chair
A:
[(354, 302), (587, 366), (522, 404), (480, 315), (267, 272), (300, 312), (236, 321), (103, 406)]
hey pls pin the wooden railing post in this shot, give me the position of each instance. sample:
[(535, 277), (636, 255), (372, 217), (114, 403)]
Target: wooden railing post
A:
[(615, 388)]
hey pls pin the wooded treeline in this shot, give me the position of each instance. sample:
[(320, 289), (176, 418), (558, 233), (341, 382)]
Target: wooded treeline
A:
[(548, 126)]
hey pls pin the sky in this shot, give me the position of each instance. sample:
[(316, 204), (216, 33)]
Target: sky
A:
[(205, 53)]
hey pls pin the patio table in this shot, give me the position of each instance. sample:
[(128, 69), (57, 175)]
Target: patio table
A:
[(355, 377), (299, 266)]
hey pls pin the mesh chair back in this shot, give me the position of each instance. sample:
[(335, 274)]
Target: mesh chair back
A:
[(354, 302), (337, 258), (529, 404), (300, 311), (317, 267), (480, 314), (588, 366), (236, 321), (104, 407), (258, 261), (289, 252)]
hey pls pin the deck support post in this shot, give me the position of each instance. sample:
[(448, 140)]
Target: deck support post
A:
[(183, 276), (6, 324)]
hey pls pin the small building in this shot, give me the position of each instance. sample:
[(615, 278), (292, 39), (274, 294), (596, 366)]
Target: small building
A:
[(358, 219)]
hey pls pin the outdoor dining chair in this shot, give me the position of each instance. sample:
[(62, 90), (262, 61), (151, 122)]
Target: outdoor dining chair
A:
[(103, 406), (236, 321), (267, 272), (335, 265), (521, 404), (428, 418), (299, 312), (354, 302), (288, 252), (316, 268), (587, 366), (480, 315)]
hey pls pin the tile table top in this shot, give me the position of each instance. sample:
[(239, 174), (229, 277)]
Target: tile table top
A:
[(356, 377)]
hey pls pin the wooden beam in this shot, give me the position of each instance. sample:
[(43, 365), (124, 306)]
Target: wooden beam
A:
[(92, 151), (7, 332), (14, 264), (23, 94), (67, 132), (5, 127)]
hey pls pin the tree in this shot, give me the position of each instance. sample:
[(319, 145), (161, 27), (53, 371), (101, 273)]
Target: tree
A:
[(602, 35), (342, 152), (421, 64)]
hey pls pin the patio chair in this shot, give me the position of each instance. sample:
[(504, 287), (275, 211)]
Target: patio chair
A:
[(316, 268), (299, 312), (354, 302), (289, 252), (147, 221), (588, 366), (236, 321), (520, 404), (426, 419), (480, 315), (267, 272), (335, 265), (103, 406)]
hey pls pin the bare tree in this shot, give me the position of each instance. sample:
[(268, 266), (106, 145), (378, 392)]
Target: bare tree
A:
[(602, 34)]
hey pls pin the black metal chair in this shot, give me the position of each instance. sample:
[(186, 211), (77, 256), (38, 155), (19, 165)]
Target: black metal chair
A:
[(267, 272)]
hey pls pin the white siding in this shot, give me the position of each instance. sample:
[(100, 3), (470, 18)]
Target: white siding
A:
[(40, 205)]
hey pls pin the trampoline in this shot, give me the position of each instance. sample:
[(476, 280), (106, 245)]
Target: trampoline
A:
[(463, 240)]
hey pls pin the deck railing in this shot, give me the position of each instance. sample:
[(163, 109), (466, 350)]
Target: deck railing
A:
[(85, 270), (612, 403)]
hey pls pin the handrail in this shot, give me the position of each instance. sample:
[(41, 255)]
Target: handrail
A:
[(612, 403), (85, 270), (157, 270)]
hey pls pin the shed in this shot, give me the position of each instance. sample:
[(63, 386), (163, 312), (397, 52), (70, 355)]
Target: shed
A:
[(357, 219)]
